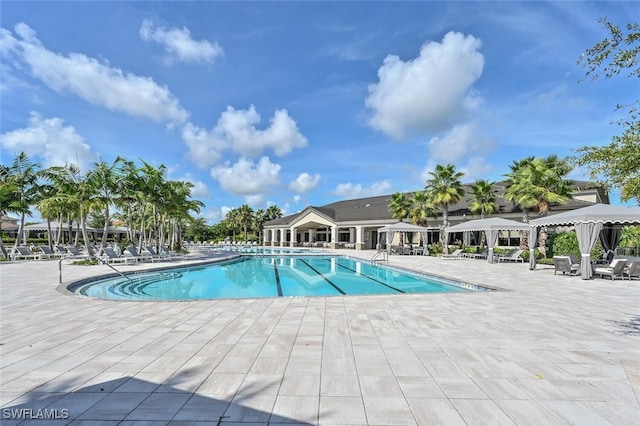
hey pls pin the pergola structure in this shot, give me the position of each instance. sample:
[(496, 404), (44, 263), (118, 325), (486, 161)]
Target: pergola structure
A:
[(491, 227), (588, 223)]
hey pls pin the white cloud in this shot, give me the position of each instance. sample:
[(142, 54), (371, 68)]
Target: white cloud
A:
[(200, 189), (254, 201), (235, 130), (459, 142), (205, 148), (297, 198), (247, 178), (476, 168), (93, 81), (304, 183), (350, 190), (50, 140), (238, 128), (427, 93), (179, 45)]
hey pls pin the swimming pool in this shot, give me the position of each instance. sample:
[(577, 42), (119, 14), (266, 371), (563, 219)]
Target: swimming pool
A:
[(268, 276)]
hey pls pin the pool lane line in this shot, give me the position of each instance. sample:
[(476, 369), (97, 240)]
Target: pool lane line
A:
[(367, 276), (275, 269), (325, 278)]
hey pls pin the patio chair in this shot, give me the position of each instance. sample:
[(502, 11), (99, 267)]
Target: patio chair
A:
[(513, 256), (482, 255), (24, 252), (613, 270), (110, 256), (632, 270), (133, 252), (455, 255), (154, 254), (563, 264), (46, 252)]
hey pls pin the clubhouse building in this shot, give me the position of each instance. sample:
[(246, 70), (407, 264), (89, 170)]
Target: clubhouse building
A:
[(355, 223)]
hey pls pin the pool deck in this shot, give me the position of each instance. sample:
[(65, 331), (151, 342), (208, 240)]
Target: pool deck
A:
[(547, 350)]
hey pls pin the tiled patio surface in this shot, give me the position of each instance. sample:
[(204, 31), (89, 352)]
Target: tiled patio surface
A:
[(548, 350)]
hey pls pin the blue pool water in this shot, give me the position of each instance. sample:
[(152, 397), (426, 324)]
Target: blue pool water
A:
[(267, 276)]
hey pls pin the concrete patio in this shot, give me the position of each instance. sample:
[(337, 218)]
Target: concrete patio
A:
[(546, 350)]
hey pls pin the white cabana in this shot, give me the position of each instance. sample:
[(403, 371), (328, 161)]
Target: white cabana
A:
[(588, 222), (491, 227), (390, 231)]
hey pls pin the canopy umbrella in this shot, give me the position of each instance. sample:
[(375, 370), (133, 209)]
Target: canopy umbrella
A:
[(492, 227), (588, 222), (390, 230)]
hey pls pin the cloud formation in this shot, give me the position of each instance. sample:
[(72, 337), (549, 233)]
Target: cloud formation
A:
[(95, 82), (236, 130), (350, 190), (304, 183), (246, 177), (50, 140), (179, 45), (428, 93), (459, 142)]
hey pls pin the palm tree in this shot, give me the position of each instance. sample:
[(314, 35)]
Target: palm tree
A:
[(259, 218), (273, 212), (75, 190), (22, 180), (536, 183), (483, 198), (399, 206), (245, 217), (444, 189), (233, 219), (7, 195), (104, 179), (420, 208)]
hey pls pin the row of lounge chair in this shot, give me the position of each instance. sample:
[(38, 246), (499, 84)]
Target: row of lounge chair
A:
[(512, 256)]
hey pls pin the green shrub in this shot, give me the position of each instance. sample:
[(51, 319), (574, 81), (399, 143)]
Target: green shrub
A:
[(567, 243)]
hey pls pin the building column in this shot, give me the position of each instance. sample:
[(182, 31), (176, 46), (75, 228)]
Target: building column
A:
[(265, 237), (334, 237), (283, 237), (294, 237), (359, 238)]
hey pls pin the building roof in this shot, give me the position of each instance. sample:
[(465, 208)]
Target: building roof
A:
[(377, 208)]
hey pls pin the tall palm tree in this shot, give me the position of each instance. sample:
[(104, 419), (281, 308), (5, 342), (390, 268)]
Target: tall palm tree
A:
[(519, 187), (420, 208), (245, 217), (22, 178), (7, 196), (259, 218), (233, 219), (104, 179), (444, 188), (273, 212), (536, 183), (483, 198), (76, 190), (399, 206)]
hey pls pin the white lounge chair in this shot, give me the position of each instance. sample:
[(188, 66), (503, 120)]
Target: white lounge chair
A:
[(47, 253), (513, 256), (455, 255), (613, 271), (131, 251), (110, 256), (24, 252), (632, 270)]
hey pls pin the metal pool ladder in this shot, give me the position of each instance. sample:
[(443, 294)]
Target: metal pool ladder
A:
[(380, 256)]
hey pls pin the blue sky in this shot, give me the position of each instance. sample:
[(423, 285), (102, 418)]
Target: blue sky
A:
[(304, 103)]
